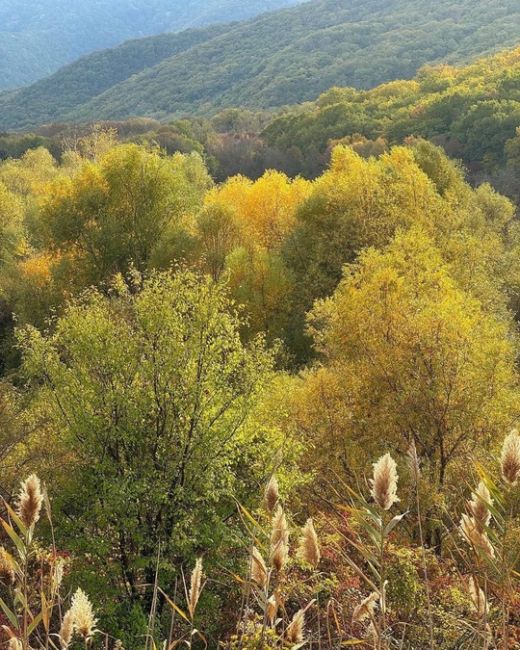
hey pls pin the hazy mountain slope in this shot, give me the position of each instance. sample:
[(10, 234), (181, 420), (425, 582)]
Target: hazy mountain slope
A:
[(287, 57), (77, 83), (295, 54), (39, 36)]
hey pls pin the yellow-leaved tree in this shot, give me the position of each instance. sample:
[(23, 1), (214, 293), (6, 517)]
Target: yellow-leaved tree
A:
[(409, 356)]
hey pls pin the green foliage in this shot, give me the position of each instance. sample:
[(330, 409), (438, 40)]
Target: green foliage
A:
[(153, 396), (404, 589), (473, 111), (274, 60), (415, 354), (39, 36), (154, 400), (120, 210)]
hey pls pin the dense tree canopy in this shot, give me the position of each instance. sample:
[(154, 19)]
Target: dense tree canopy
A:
[(168, 342), (281, 58), (154, 397), (40, 36)]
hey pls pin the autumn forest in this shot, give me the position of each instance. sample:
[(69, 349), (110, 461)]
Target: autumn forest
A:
[(259, 366)]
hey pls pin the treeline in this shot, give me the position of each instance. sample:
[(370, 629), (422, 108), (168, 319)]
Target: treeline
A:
[(472, 112), (169, 343)]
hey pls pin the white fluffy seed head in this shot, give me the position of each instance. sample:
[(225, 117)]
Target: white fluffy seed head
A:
[(384, 483)]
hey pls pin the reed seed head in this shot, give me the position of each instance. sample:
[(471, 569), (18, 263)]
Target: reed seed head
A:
[(479, 506), (384, 483), (7, 575), (478, 598), (30, 500), (279, 556), (258, 569), (83, 615), (195, 587), (279, 539), (67, 629), (279, 527), (14, 644), (295, 629), (510, 458), (309, 549), (271, 494), (272, 610), (365, 610), (474, 537)]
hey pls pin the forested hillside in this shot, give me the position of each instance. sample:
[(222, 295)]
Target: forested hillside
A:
[(171, 347), (39, 36), (473, 111), (260, 363), (278, 59)]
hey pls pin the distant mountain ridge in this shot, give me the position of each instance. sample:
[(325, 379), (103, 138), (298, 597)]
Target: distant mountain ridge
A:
[(280, 58), (39, 36)]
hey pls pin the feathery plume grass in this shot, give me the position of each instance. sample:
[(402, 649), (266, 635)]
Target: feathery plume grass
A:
[(195, 587), (510, 458), (14, 644), (67, 629), (258, 569), (309, 549), (295, 629), (479, 506), (30, 501), (279, 555), (279, 539), (474, 537), (57, 574), (279, 527), (7, 575), (384, 483), (365, 609), (271, 494), (82, 614), (272, 609), (478, 598)]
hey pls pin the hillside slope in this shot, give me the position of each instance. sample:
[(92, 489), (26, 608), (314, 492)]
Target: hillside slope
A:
[(280, 58), (473, 111), (39, 36), (79, 82)]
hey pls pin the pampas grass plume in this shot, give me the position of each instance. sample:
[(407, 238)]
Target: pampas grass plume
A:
[(279, 539), (384, 483), (309, 549), (294, 633), (67, 629), (474, 537), (258, 568), (478, 598), (195, 587), (30, 501), (272, 609), (83, 615), (271, 494), (365, 609), (7, 575), (479, 506), (510, 458)]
